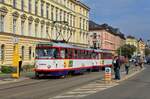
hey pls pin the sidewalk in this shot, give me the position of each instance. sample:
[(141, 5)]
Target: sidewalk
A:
[(7, 78), (132, 71)]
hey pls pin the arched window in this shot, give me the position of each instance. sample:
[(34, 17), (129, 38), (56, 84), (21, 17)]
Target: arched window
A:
[(22, 52), (2, 53)]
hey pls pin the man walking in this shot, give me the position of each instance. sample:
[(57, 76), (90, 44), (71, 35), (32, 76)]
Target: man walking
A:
[(116, 64)]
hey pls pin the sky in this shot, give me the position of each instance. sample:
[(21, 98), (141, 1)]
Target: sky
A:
[(132, 17)]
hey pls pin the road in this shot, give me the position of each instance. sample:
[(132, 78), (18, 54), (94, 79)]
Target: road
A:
[(86, 86), (44, 88), (138, 87)]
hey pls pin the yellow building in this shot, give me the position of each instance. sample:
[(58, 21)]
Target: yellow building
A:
[(26, 22), (132, 41)]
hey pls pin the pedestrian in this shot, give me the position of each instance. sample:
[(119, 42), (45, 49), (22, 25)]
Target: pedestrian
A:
[(127, 65), (141, 62), (116, 65), (20, 64)]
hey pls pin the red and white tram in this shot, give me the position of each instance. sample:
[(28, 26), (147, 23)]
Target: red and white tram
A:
[(60, 59)]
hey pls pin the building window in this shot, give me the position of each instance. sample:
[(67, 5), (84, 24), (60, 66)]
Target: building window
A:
[(64, 16), (60, 15), (22, 27), (74, 21), (36, 30), (22, 52), (30, 53), (47, 31), (80, 22), (14, 3), (2, 53), (14, 25), (47, 11), (22, 5), (42, 10), (1, 23), (36, 7), (29, 28), (68, 18), (94, 36), (56, 14), (30, 6), (42, 30), (52, 13)]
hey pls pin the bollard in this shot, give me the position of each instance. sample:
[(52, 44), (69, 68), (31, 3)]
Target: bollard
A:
[(108, 75)]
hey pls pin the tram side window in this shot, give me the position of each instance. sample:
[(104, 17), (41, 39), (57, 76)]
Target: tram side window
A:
[(75, 54), (85, 54), (62, 53), (70, 53), (89, 55), (99, 55), (56, 53), (79, 54), (82, 54)]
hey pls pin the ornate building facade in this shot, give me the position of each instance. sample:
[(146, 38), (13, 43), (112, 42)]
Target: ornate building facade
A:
[(27, 22)]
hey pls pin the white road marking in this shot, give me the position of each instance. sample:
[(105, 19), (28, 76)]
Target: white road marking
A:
[(85, 90), (68, 96), (81, 92)]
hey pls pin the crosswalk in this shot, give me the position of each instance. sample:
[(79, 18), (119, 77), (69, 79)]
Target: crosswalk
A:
[(85, 90)]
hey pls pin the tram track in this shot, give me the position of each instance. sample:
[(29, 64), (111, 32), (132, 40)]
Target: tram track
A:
[(31, 82), (44, 88)]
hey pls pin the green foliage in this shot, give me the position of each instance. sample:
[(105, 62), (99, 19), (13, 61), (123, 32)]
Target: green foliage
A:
[(147, 51), (126, 50), (7, 69)]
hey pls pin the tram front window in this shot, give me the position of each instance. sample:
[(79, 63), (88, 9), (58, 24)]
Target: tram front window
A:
[(47, 53)]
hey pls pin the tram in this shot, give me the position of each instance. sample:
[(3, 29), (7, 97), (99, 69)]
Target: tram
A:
[(61, 59)]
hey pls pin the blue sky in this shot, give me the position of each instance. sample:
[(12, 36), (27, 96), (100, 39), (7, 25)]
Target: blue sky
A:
[(132, 17)]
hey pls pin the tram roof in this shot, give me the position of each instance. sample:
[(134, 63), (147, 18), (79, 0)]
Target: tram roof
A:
[(65, 45)]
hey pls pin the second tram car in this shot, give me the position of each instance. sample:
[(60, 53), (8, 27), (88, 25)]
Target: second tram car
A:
[(60, 59)]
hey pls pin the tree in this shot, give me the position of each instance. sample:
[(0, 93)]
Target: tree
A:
[(147, 51), (126, 50)]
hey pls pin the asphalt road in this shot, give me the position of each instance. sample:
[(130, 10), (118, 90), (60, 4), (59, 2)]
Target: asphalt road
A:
[(45, 88), (137, 87)]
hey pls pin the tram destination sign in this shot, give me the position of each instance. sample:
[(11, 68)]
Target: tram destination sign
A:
[(44, 44)]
